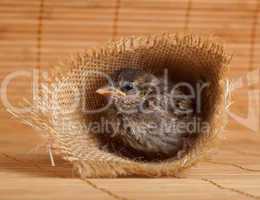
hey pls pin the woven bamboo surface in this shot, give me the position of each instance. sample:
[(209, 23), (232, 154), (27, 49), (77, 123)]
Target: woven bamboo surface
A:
[(37, 33)]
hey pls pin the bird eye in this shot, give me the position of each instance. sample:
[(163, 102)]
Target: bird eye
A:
[(127, 86)]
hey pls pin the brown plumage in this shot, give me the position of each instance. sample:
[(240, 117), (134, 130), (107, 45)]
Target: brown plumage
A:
[(145, 115)]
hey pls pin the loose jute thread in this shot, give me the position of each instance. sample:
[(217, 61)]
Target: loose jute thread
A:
[(90, 183), (115, 196)]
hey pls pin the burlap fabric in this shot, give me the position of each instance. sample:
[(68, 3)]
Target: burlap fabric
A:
[(187, 58)]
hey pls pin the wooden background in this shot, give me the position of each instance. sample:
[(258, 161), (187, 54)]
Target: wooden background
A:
[(37, 33)]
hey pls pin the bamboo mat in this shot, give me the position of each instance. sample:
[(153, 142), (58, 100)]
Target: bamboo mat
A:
[(38, 33)]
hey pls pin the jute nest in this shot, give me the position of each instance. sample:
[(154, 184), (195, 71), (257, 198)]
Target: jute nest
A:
[(67, 105)]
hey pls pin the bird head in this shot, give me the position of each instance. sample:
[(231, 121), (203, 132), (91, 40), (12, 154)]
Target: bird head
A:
[(130, 87)]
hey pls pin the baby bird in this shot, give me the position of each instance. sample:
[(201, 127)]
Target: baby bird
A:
[(147, 114)]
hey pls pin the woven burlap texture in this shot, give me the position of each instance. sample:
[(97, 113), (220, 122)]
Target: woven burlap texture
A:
[(186, 57)]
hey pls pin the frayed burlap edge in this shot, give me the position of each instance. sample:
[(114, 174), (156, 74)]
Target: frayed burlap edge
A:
[(92, 162)]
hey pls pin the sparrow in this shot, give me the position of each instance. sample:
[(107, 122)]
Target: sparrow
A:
[(146, 114)]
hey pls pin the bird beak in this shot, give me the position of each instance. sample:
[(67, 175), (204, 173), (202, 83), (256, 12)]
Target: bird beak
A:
[(110, 91)]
